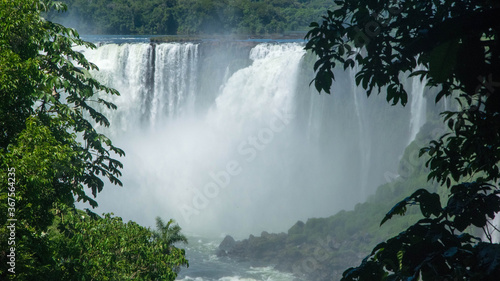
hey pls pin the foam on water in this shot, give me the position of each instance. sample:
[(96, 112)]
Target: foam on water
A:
[(204, 265)]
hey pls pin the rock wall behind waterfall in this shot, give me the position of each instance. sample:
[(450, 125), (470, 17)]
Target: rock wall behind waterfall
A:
[(229, 137)]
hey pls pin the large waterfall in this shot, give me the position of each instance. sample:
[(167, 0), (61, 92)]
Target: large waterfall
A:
[(229, 137)]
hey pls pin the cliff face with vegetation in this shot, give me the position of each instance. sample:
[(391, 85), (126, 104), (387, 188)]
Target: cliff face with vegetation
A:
[(323, 248), (191, 16)]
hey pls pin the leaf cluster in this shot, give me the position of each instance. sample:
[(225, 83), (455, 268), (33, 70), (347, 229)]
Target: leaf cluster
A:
[(170, 233), (51, 153), (453, 45), (191, 16), (471, 147), (43, 76), (90, 247), (454, 41), (436, 248)]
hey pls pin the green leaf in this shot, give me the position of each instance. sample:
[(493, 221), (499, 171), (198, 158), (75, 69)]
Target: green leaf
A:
[(442, 61), (398, 209)]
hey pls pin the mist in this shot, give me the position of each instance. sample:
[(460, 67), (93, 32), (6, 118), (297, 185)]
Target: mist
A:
[(243, 144)]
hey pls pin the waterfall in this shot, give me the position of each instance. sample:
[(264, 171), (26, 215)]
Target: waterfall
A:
[(127, 68), (229, 137), (251, 94), (159, 81), (364, 143), (174, 80), (417, 105)]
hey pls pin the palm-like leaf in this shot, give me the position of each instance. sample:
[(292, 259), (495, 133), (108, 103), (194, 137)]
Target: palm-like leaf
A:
[(170, 232)]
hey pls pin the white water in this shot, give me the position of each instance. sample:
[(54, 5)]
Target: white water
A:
[(124, 68), (364, 137), (268, 151), (495, 232), (174, 80), (206, 266), (417, 105)]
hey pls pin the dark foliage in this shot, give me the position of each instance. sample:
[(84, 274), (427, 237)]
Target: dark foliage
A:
[(455, 46), (191, 16)]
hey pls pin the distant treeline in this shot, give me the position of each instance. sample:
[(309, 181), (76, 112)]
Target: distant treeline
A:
[(190, 16)]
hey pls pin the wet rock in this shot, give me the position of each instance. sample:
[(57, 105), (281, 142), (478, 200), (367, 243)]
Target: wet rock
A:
[(226, 245)]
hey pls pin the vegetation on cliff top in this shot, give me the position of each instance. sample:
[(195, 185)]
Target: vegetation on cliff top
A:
[(191, 16)]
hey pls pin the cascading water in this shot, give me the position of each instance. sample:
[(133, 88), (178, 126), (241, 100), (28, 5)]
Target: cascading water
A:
[(174, 80), (417, 105), (127, 68), (364, 137), (244, 146)]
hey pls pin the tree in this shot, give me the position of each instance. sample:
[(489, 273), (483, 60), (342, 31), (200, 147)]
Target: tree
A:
[(106, 248), (49, 148), (51, 154), (457, 44), (169, 233)]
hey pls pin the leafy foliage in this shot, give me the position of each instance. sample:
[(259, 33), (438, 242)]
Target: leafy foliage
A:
[(51, 153), (456, 43), (169, 233), (429, 204), (43, 77), (436, 248), (95, 248), (473, 146), (387, 38), (191, 16)]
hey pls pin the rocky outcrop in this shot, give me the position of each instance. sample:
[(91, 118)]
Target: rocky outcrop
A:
[(317, 259), (226, 246)]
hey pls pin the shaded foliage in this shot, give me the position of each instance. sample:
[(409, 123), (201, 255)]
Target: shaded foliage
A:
[(45, 78), (387, 38), (454, 46)]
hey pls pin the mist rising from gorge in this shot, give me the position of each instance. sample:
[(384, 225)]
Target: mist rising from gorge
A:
[(231, 139)]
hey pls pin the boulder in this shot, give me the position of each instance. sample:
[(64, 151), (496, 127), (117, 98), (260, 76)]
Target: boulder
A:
[(226, 245)]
